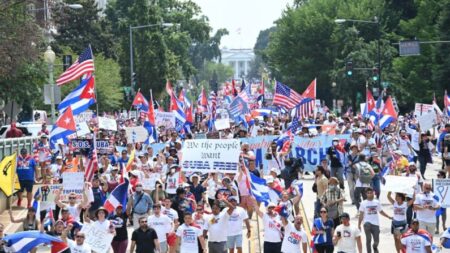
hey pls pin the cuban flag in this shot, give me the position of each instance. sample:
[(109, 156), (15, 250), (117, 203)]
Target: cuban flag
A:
[(117, 197), (259, 189), (64, 126), (184, 99), (140, 103), (375, 113), (149, 124), (202, 101), (25, 241), (177, 110), (37, 204), (318, 238), (268, 112), (422, 233), (370, 104), (282, 210), (80, 98), (388, 114), (447, 103)]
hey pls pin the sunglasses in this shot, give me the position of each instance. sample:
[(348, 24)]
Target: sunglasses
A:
[(157, 207), (79, 236), (143, 222), (72, 198), (323, 211), (199, 210)]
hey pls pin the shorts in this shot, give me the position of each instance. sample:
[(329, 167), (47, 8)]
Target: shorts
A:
[(27, 185), (246, 202), (447, 162), (234, 241), (399, 226)]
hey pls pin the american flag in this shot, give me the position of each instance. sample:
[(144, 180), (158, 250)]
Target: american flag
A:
[(239, 105), (92, 162), (83, 65), (285, 96), (305, 109)]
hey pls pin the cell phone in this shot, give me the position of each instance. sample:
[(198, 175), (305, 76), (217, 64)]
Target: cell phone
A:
[(339, 233)]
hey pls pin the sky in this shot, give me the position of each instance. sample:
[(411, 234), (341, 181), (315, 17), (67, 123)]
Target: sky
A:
[(243, 19)]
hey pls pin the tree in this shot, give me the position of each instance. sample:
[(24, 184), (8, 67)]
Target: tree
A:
[(82, 27), (223, 72), (22, 71), (442, 61), (258, 64), (107, 82)]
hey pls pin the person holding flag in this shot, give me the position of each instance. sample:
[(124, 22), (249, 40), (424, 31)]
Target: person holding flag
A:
[(415, 240)]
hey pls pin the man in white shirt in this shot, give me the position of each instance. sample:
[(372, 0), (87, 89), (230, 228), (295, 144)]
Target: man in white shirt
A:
[(77, 246), (295, 237), (162, 224), (272, 227), (368, 213), (237, 218), (347, 237), (415, 241), (425, 206), (187, 235), (217, 227)]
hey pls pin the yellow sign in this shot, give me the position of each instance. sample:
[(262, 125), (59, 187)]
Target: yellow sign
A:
[(9, 182)]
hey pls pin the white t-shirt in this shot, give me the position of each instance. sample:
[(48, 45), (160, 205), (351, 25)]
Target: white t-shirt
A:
[(415, 244), (162, 225), (172, 183), (347, 243), (74, 248), (236, 220), (371, 208), (403, 146), (201, 220), (217, 226), (272, 228), (426, 215), (74, 211), (400, 211), (102, 225), (188, 236), (293, 239), (171, 213)]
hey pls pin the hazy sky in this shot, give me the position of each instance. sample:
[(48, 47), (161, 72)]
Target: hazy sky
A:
[(247, 16)]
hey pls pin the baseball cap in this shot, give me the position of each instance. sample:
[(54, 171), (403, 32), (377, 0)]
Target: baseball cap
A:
[(232, 198), (344, 215)]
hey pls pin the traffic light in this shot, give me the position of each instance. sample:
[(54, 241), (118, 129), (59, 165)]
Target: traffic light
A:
[(375, 73), (133, 80), (67, 61), (349, 68)]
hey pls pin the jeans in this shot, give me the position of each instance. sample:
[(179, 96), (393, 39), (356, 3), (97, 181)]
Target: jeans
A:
[(219, 247), (359, 192), (322, 248), (339, 173), (422, 165), (119, 246), (372, 231), (376, 184), (317, 206), (351, 185), (272, 247), (444, 219)]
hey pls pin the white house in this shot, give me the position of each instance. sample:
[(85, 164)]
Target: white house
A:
[(239, 59)]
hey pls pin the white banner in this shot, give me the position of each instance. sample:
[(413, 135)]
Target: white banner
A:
[(83, 117), (82, 129), (98, 239), (136, 134), (207, 155), (400, 184), (166, 119), (107, 123), (222, 124), (73, 182), (422, 109), (440, 188)]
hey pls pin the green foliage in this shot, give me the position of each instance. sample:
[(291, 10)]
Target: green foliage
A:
[(307, 43), (107, 81), (77, 28), (22, 71), (222, 71)]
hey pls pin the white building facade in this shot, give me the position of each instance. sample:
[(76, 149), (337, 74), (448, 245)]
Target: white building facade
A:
[(239, 59)]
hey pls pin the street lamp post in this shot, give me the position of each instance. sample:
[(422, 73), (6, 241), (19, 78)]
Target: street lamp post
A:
[(131, 28), (49, 57), (376, 21)]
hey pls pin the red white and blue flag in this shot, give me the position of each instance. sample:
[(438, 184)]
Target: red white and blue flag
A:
[(285, 96), (447, 103), (80, 98), (140, 102), (83, 65), (117, 197), (370, 104), (149, 123), (388, 114)]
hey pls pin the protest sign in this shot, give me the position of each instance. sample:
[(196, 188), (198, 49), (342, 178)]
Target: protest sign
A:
[(136, 134), (423, 108), (362, 107), (400, 184), (329, 129), (310, 150), (107, 123), (82, 129), (83, 117), (73, 182), (98, 239), (222, 124), (82, 146), (132, 115), (48, 193), (427, 120), (165, 119), (440, 188), (207, 155)]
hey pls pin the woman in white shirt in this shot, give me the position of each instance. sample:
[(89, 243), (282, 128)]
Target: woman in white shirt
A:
[(399, 220)]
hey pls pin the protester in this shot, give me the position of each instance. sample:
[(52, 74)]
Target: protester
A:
[(295, 237), (442, 212), (425, 206), (337, 168), (30, 222), (141, 205), (162, 224), (323, 230), (79, 245), (415, 239), (238, 217), (347, 238), (26, 171), (144, 239), (272, 228), (333, 200), (119, 221), (187, 235), (399, 219), (218, 228)]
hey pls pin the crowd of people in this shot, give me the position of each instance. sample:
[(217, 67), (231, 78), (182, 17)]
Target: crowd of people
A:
[(190, 212)]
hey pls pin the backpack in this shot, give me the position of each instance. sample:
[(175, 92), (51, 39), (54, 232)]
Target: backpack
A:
[(364, 173)]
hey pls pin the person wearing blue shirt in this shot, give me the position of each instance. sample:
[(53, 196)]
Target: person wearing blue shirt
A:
[(441, 146), (323, 232), (123, 159), (26, 167)]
